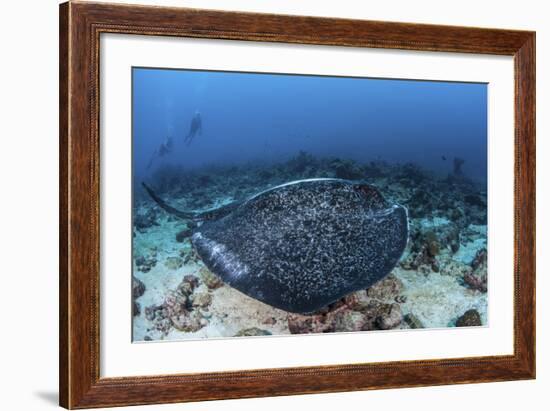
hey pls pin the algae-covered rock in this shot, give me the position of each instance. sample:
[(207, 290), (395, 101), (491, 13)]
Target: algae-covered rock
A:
[(188, 285), (358, 301), (311, 324), (386, 289), (211, 280), (145, 220), (201, 300), (145, 263), (136, 309), (470, 318), (456, 269), (389, 316), (138, 288), (188, 321), (477, 278), (348, 321)]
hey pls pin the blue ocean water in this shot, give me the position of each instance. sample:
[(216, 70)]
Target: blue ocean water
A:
[(205, 141), (256, 117)]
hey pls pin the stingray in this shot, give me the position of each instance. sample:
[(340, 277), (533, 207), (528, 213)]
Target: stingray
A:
[(302, 245)]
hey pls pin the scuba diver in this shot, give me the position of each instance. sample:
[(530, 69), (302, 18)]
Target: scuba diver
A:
[(195, 126), (165, 148)]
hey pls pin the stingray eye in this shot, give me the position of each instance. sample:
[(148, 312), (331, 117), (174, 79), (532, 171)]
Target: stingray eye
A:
[(372, 196), (365, 190)]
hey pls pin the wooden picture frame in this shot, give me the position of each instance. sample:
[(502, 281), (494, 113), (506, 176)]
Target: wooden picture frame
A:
[(80, 27)]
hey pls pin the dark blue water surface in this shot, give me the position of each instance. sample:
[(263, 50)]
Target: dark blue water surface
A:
[(254, 117)]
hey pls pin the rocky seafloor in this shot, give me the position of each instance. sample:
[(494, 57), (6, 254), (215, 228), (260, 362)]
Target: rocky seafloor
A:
[(440, 281)]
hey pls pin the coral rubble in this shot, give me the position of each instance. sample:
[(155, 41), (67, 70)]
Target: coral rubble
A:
[(440, 281)]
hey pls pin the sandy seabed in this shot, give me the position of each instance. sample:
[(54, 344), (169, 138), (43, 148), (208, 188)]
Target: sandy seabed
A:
[(440, 280), (436, 299)]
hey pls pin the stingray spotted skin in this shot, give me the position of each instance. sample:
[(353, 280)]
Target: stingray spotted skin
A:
[(303, 245)]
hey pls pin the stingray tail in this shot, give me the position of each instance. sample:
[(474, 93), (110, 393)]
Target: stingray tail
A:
[(184, 215)]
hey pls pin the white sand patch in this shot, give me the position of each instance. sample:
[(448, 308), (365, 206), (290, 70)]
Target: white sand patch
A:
[(477, 234), (438, 300), (230, 312), (159, 241)]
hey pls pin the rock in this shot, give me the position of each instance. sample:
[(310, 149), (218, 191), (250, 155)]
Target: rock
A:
[(201, 300), (136, 309), (477, 278), (362, 310), (432, 244), (455, 269), (175, 303), (386, 289), (358, 301), (158, 315), (356, 312), (348, 321), (456, 214), (147, 338), (138, 288), (151, 312), (421, 204), (188, 321), (183, 234), (252, 332), (309, 324), (211, 280), (188, 285), (429, 247), (470, 318), (144, 264), (455, 246), (389, 317), (418, 260), (143, 221), (412, 175), (476, 282), (178, 309), (480, 259), (412, 321), (173, 263)]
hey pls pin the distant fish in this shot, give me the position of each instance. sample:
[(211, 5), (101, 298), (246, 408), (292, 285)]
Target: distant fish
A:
[(302, 245), (443, 158)]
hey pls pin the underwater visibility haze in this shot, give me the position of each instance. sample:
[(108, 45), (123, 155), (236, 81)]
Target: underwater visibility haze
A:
[(272, 204)]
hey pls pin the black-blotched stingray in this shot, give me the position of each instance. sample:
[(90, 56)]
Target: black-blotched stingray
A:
[(302, 245)]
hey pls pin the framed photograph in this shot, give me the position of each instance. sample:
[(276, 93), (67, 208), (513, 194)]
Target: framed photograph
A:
[(259, 205)]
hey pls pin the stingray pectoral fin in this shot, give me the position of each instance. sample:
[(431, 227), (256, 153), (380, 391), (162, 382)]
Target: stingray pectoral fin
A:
[(305, 244), (185, 215)]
